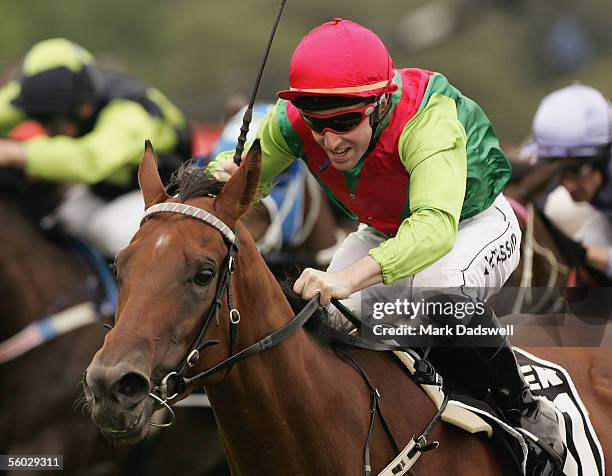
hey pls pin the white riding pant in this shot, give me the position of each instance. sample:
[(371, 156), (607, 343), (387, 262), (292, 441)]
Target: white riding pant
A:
[(578, 220), (107, 225), (485, 254)]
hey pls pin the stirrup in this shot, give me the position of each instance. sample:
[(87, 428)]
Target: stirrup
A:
[(425, 373)]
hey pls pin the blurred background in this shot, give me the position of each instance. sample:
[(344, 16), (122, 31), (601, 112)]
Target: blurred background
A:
[(505, 54)]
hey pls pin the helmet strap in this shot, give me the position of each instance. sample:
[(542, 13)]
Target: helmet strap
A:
[(381, 109)]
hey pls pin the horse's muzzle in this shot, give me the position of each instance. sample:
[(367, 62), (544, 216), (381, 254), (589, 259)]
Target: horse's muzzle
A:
[(117, 398)]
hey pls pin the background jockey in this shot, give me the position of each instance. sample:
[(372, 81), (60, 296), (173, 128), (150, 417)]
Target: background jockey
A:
[(420, 166), (574, 124), (285, 203), (97, 121)]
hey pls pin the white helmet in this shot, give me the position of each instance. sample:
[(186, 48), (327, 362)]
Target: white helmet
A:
[(575, 121)]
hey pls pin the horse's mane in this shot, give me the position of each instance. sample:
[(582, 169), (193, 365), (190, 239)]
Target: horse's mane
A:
[(323, 326)]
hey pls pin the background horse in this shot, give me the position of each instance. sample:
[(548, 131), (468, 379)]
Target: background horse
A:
[(315, 240), (40, 277), (296, 408)]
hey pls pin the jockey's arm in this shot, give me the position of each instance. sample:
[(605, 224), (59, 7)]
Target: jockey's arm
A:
[(600, 258), (10, 116), (108, 152), (275, 155), (432, 147)]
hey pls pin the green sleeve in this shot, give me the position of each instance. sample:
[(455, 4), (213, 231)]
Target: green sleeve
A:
[(10, 116), (432, 147), (275, 153), (116, 142)]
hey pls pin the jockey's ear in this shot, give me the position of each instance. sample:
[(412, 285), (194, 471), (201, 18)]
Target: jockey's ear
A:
[(149, 179), (240, 190)]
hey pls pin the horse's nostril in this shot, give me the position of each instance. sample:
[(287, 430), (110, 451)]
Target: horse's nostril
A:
[(132, 386)]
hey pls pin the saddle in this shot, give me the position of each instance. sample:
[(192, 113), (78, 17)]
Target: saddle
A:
[(473, 414), (546, 380)]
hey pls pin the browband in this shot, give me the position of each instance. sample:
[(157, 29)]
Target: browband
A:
[(192, 212)]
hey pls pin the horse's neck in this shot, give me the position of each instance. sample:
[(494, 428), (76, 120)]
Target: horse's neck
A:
[(33, 272), (285, 390)]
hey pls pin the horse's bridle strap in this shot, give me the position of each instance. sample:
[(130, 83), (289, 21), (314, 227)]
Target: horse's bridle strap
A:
[(269, 341), (192, 212), (231, 238)]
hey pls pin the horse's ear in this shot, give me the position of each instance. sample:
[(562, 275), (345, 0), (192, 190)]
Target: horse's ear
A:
[(149, 179), (240, 190)]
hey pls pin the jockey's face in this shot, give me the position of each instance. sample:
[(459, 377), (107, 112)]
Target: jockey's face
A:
[(582, 183), (344, 150), (63, 125)]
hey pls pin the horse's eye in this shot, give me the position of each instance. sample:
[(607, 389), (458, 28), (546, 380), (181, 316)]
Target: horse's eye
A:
[(203, 277)]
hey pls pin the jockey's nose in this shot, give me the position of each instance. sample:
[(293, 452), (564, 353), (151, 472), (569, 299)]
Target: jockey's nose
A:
[(119, 383), (331, 140)]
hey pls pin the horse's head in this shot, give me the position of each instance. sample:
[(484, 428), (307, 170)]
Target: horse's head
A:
[(169, 279)]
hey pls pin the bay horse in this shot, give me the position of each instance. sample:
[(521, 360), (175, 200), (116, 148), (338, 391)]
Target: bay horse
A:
[(295, 408), (35, 277), (41, 277), (586, 354)]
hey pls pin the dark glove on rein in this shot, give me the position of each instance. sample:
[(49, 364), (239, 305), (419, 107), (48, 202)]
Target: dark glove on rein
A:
[(572, 251)]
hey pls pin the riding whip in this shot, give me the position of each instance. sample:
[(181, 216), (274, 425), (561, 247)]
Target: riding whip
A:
[(248, 115)]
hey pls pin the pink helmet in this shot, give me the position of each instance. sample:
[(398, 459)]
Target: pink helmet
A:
[(340, 58)]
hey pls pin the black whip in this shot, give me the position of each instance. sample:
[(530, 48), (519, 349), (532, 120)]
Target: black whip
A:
[(248, 114)]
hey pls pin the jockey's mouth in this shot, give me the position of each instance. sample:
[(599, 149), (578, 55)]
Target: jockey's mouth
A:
[(340, 152)]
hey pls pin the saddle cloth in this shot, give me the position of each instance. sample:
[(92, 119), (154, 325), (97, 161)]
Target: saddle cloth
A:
[(546, 380)]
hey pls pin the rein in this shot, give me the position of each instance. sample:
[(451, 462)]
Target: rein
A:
[(405, 458), (531, 246)]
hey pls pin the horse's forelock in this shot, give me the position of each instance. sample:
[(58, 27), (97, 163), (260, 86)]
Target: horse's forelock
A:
[(194, 182)]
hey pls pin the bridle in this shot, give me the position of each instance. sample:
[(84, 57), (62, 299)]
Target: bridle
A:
[(160, 393)]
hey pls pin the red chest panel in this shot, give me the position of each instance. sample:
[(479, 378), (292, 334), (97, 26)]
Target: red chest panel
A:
[(382, 188)]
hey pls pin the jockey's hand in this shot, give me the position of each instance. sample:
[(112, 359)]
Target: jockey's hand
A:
[(328, 285), (365, 272), (226, 169), (12, 154), (599, 257)]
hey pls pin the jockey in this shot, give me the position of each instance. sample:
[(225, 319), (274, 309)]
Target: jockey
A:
[(574, 124), (420, 166), (96, 123)]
